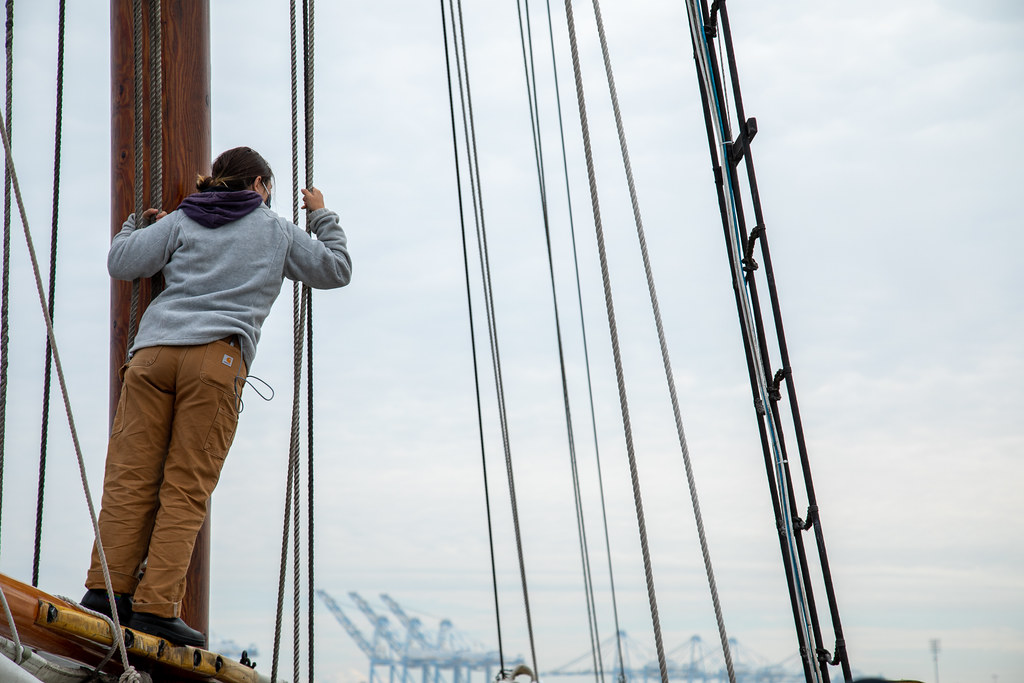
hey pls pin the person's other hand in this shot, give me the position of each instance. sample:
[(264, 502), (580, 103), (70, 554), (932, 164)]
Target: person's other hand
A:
[(312, 199)]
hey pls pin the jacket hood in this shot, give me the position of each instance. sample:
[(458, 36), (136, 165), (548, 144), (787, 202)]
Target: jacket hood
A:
[(213, 209)]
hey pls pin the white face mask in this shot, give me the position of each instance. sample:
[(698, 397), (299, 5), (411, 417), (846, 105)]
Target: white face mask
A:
[(267, 188)]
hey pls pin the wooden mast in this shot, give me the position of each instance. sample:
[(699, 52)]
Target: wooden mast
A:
[(186, 136)]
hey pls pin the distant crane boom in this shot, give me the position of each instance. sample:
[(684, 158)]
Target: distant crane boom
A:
[(382, 628), (411, 624), (353, 631)]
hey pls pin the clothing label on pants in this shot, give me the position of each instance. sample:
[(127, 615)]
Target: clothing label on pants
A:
[(228, 360)]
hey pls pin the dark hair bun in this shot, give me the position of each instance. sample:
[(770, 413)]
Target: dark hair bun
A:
[(235, 169)]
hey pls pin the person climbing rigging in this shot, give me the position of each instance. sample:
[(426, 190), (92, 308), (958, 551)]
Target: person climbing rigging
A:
[(224, 256)]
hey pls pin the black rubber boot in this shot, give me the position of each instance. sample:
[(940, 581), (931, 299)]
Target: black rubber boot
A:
[(170, 628), (96, 600)]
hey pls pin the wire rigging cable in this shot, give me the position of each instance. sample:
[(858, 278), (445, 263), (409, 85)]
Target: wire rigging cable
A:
[(485, 267), (526, 43), (616, 354), (476, 192), (669, 376), (661, 337), (586, 352), (472, 332)]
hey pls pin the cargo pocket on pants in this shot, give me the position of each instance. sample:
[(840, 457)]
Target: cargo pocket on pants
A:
[(222, 432)]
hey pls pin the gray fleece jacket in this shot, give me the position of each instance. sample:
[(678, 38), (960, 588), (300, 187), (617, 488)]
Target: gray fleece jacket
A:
[(223, 281)]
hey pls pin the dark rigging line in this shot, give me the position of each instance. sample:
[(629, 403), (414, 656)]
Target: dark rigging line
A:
[(308, 25), (296, 352), (478, 214), (531, 91), (5, 296), (586, 353), (492, 322), (302, 322), (140, 199), (472, 333), (296, 503), (155, 140), (156, 88), (307, 59), (48, 362), (309, 483), (156, 128)]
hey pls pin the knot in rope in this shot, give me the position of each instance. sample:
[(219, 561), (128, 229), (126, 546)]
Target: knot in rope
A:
[(130, 675)]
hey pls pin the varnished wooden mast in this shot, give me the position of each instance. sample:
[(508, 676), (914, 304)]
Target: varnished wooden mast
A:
[(186, 143)]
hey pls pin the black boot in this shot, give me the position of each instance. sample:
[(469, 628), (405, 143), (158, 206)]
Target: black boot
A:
[(170, 628), (96, 600)]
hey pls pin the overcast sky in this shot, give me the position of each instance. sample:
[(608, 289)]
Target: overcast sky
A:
[(887, 159)]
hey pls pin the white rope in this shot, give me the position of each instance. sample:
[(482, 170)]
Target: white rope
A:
[(129, 670), (110, 623), (19, 649), (35, 668)]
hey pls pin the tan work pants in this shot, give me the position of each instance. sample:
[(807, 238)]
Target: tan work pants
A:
[(174, 424)]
